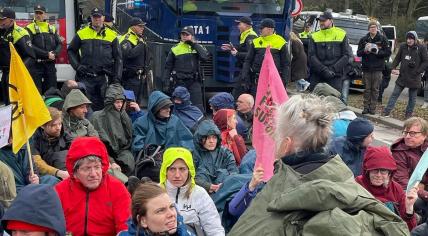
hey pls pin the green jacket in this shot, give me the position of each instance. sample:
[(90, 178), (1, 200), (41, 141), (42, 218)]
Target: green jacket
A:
[(325, 201), (73, 126)]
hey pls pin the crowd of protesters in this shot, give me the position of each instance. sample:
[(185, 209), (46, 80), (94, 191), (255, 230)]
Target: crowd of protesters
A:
[(172, 170)]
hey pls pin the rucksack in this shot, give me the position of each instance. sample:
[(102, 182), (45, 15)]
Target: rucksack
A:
[(7, 185), (149, 161)]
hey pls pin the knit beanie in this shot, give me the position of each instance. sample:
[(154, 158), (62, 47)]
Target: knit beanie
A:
[(163, 103), (372, 23), (358, 130), (412, 35)]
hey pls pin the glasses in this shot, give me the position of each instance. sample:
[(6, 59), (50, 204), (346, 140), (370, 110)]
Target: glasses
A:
[(88, 169), (381, 171), (411, 133)]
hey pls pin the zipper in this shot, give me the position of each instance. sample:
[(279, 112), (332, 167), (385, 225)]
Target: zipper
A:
[(176, 196), (85, 231)]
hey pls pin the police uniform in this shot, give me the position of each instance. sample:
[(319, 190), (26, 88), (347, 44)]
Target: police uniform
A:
[(245, 40), (136, 61), (22, 42), (329, 56), (96, 57), (182, 65), (255, 56), (45, 39)]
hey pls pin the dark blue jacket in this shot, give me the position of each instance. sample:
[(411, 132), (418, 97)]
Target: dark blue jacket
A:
[(188, 114), (150, 130), (352, 154), (132, 229), (37, 204)]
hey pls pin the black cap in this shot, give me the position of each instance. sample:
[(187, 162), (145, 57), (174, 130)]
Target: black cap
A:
[(136, 21), (267, 23), (326, 15), (108, 18), (245, 19), (97, 12), (39, 8), (188, 29), (7, 13)]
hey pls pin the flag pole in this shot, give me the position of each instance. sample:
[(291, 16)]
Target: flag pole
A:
[(30, 158)]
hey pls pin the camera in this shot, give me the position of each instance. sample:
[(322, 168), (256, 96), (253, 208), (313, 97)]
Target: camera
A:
[(373, 48)]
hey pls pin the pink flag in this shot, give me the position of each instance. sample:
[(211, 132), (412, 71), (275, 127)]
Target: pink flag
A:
[(270, 93)]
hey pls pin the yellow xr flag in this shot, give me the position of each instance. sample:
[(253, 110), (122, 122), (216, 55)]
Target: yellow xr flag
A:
[(28, 109)]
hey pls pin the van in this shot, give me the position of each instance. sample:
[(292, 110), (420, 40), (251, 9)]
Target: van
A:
[(391, 35), (422, 27)]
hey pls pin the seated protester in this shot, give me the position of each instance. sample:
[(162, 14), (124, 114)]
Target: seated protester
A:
[(153, 213), (73, 115), (50, 146), (225, 100), (132, 108), (407, 151), (245, 108), (225, 119), (189, 114), (213, 162), (159, 126), (54, 97), (115, 129), (177, 176), (94, 203), (378, 168), (20, 166), (420, 230), (7, 186), (35, 211), (310, 189), (351, 148)]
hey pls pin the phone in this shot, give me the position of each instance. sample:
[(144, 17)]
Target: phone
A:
[(231, 45)]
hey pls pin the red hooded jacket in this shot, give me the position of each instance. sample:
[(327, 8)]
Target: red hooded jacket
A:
[(236, 144), (381, 158), (103, 211)]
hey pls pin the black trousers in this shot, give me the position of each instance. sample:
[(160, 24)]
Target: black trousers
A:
[(95, 90), (5, 87), (138, 86), (44, 76)]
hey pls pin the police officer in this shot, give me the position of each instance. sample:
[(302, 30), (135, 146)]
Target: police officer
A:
[(136, 59), (47, 45), (329, 54), (254, 59), (96, 56), (247, 34), (304, 36), (182, 66), (11, 32)]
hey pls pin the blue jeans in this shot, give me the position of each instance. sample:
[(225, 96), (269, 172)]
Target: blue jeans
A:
[(413, 92)]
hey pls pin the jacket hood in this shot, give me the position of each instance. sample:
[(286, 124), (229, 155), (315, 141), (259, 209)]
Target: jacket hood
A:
[(114, 92), (155, 99), (205, 128), (221, 117), (337, 103), (75, 98), (37, 204), (182, 93), (171, 155), (324, 89), (82, 147), (222, 100), (378, 158)]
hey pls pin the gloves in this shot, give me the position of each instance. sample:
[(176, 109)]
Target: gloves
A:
[(189, 42), (82, 70), (328, 74)]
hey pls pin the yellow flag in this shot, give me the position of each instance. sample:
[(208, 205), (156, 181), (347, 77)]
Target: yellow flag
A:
[(29, 111)]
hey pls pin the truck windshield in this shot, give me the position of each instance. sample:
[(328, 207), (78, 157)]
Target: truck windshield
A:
[(422, 27), (355, 29), (53, 8), (267, 7)]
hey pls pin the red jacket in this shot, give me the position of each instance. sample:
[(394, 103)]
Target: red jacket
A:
[(407, 159), (103, 211)]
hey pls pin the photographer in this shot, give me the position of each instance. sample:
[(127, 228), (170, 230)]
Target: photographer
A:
[(373, 49), (413, 59)]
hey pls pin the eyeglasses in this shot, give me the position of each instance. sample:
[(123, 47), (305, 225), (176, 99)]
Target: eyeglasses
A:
[(411, 133), (381, 171)]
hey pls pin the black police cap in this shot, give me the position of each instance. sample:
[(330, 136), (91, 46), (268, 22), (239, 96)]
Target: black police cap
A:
[(245, 19), (7, 13), (136, 21), (97, 12), (188, 29), (326, 15), (39, 8), (267, 23)]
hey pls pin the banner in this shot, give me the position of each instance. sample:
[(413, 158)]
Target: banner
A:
[(5, 122)]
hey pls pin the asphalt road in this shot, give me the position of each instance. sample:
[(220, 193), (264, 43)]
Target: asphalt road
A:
[(385, 136)]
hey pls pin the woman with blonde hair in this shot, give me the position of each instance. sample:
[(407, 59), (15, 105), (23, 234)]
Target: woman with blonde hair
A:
[(299, 63)]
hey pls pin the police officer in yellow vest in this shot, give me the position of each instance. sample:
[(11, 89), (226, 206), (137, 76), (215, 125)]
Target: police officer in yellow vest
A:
[(182, 66), (254, 59), (11, 32), (304, 36), (96, 56), (136, 59), (246, 37), (329, 54), (47, 46)]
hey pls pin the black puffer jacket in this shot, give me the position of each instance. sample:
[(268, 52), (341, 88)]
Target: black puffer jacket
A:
[(45, 39), (372, 61)]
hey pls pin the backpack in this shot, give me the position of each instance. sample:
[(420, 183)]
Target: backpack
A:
[(7, 185), (149, 161)]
